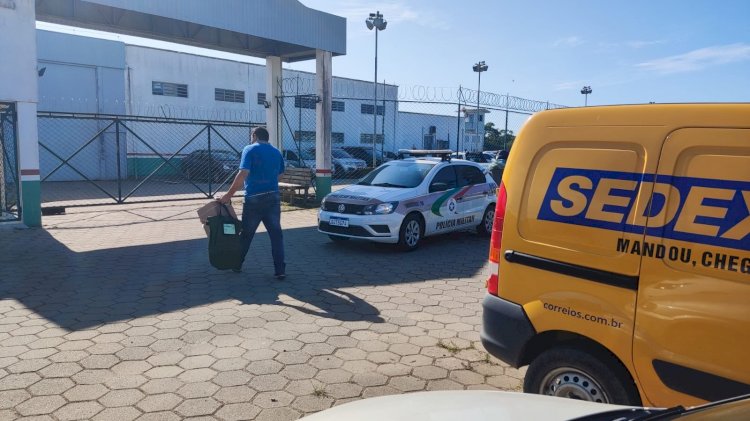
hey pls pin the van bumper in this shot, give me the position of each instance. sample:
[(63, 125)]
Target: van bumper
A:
[(505, 329)]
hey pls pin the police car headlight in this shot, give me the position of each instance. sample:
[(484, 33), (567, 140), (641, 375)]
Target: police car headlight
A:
[(380, 209), (323, 203)]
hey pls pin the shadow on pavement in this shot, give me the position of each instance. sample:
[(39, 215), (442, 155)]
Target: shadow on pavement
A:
[(79, 290)]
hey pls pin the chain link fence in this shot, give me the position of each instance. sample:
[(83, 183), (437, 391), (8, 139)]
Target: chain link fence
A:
[(190, 153), (366, 132), (9, 182), (88, 159)]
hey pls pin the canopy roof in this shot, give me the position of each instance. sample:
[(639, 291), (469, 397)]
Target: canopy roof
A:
[(257, 28)]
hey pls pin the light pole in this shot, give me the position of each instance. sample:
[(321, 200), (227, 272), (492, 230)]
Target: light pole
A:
[(479, 67), (375, 21), (586, 91)]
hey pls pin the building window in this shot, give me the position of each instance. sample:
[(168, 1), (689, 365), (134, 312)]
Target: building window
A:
[(337, 105), (304, 136), (262, 98), (367, 109), (367, 138), (304, 101), (169, 89), (229, 95), (309, 136)]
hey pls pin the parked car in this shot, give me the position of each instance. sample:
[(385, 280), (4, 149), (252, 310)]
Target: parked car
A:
[(485, 405), (403, 201), (342, 163), (345, 164), (365, 153), (220, 164), (304, 159), (482, 158)]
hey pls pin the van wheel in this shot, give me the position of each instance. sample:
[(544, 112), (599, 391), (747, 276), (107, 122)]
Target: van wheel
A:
[(578, 374), (485, 227), (411, 233), (337, 238)]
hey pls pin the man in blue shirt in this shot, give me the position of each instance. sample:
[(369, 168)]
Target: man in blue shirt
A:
[(260, 167)]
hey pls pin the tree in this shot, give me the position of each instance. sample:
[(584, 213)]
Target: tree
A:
[(495, 139)]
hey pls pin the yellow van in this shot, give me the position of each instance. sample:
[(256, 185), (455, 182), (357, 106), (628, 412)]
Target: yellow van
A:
[(620, 254)]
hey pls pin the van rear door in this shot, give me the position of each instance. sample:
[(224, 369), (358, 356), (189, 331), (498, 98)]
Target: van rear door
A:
[(692, 329)]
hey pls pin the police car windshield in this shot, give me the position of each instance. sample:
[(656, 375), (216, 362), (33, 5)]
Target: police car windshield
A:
[(398, 174)]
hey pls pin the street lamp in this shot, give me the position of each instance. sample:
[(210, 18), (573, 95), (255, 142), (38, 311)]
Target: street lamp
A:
[(586, 91), (375, 21), (479, 67)]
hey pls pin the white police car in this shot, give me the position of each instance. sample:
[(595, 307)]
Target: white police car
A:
[(404, 200)]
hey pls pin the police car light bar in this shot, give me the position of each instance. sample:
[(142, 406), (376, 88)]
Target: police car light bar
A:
[(444, 154)]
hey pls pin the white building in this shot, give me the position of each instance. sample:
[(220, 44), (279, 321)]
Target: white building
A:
[(89, 75)]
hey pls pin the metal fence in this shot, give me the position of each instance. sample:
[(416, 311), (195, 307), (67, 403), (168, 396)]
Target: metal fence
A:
[(94, 159), (88, 159), (10, 208), (371, 133)]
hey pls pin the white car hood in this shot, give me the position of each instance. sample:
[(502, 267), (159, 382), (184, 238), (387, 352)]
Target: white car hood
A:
[(383, 194), (462, 405)]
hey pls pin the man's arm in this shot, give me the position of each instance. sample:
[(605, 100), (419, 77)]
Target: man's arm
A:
[(239, 182)]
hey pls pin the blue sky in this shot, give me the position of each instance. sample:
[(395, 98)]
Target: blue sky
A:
[(633, 51), (628, 51)]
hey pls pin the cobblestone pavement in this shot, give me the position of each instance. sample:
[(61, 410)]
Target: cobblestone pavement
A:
[(115, 314)]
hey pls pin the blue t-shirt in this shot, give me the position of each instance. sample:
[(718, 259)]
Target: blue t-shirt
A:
[(265, 163)]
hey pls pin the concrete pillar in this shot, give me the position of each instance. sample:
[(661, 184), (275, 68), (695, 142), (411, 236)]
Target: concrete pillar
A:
[(19, 85), (28, 140), (273, 90), (323, 86)]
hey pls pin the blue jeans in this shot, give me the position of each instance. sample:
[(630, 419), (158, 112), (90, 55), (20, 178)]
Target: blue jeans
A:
[(266, 208)]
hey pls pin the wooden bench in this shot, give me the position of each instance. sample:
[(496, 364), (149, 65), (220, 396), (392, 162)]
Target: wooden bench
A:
[(295, 180)]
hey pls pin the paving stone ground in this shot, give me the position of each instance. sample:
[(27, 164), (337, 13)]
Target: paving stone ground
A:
[(115, 314)]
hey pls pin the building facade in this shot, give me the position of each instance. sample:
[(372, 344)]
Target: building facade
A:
[(98, 76)]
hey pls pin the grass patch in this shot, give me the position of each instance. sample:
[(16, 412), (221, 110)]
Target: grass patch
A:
[(449, 346), (320, 392)]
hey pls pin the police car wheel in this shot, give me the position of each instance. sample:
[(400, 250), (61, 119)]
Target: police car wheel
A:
[(485, 227), (410, 233), (581, 374), (337, 238)]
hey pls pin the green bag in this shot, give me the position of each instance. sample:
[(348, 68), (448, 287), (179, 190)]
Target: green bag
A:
[(224, 244)]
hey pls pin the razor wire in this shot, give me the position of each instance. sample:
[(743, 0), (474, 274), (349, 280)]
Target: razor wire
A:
[(167, 111), (344, 88)]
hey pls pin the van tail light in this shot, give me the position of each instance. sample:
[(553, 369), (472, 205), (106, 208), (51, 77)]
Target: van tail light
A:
[(497, 239)]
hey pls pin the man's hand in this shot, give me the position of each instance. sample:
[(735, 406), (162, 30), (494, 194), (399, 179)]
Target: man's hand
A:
[(239, 180)]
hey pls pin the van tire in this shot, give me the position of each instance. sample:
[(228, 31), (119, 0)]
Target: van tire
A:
[(411, 233), (484, 228), (583, 374)]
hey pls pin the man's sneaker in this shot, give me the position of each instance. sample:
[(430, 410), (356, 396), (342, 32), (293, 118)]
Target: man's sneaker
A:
[(280, 276)]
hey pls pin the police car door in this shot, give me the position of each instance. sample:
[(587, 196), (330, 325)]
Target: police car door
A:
[(443, 206), (472, 194), (692, 317)]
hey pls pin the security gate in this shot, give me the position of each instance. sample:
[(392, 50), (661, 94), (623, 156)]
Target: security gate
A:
[(10, 208), (91, 159)]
